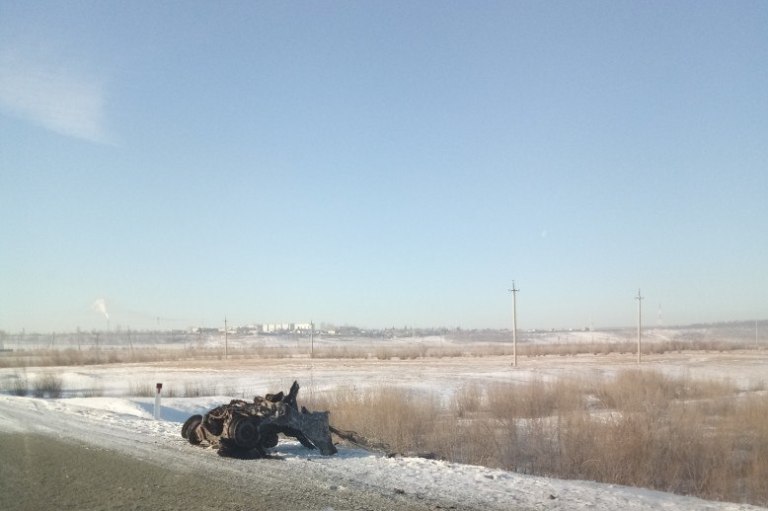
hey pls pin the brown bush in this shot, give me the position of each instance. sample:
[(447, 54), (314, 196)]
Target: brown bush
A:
[(639, 428)]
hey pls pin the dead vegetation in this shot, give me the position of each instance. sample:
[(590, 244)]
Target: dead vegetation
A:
[(639, 428), (99, 355), (42, 385)]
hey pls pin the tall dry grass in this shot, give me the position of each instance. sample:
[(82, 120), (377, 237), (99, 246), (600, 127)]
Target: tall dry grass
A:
[(378, 413), (639, 428)]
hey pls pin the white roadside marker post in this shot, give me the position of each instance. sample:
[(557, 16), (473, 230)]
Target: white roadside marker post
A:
[(157, 401)]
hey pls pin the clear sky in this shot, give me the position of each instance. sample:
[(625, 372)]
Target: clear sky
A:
[(382, 163)]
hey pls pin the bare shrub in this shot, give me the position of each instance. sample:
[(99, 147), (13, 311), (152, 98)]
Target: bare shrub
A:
[(675, 452), (747, 428), (637, 390), (18, 385), (462, 441), (47, 384), (532, 399), (468, 399), (142, 389)]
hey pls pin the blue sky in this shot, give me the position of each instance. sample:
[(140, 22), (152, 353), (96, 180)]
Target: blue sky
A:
[(382, 163)]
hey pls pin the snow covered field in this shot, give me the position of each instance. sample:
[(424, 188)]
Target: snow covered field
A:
[(96, 408)]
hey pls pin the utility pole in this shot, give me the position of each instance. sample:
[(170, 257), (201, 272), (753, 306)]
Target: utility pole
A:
[(639, 299), (311, 339), (514, 292), (226, 339)]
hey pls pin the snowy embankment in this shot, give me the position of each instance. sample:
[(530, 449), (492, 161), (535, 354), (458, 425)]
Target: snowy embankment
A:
[(127, 425)]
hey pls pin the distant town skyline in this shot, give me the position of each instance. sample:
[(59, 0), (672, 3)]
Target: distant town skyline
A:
[(382, 163), (302, 328)]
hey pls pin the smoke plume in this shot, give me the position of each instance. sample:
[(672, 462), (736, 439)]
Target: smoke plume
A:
[(100, 305)]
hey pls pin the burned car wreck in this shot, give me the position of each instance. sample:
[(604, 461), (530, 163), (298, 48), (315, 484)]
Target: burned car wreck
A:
[(247, 429)]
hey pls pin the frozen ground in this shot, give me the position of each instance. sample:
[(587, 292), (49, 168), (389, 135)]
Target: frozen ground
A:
[(240, 377), (115, 421)]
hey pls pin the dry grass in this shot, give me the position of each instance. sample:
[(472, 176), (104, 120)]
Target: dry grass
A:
[(141, 389), (640, 428), (93, 355), (379, 412), (200, 390), (114, 355)]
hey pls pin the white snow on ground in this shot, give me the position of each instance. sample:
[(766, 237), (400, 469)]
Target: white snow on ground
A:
[(127, 424)]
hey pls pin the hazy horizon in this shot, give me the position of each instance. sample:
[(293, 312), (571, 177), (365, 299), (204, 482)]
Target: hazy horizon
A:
[(648, 325)]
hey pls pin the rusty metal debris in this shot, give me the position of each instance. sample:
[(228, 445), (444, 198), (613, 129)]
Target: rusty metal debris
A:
[(248, 429)]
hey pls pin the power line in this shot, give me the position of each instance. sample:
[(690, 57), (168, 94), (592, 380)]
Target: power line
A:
[(226, 339)]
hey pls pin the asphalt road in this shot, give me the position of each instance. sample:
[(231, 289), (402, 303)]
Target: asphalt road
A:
[(40, 472)]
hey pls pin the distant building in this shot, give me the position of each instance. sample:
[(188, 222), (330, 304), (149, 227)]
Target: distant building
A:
[(283, 328), (204, 330)]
